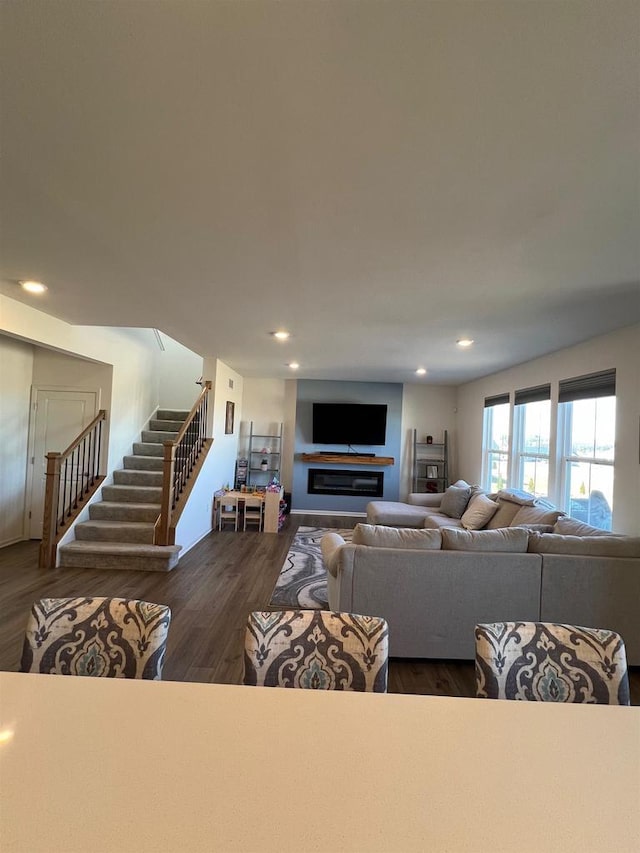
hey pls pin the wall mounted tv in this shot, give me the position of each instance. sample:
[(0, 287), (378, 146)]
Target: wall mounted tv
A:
[(349, 423)]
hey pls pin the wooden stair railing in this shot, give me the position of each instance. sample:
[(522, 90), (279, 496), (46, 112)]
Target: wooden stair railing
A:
[(72, 478), (180, 460)]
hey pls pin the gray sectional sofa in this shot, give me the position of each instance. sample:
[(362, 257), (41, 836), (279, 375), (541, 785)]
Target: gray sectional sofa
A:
[(506, 508), (434, 584)]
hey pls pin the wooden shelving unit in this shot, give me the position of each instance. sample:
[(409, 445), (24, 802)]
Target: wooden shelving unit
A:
[(430, 464), (350, 459), (256, 474)]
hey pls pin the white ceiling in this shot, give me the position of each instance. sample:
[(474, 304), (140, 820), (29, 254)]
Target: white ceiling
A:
[(380, 178)]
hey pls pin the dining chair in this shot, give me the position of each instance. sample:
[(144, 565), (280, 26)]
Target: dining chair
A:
[(253, 511), (316, 650), (550, 662), (110, 637), (228, 511)]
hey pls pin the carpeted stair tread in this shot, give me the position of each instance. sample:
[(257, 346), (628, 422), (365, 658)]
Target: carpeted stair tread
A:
[(143, 463), (157, 425), (115, 531), (148, 448), (133, 494), (121, 548), (119, 511), (133, 477), (157, 436), (172, 415), (119, 555)]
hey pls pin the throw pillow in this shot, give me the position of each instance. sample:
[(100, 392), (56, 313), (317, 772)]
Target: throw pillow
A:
[(510, 539), (517, 496), (478, 513), (455, 500), (536, 515), (507, 511), (397, 537)]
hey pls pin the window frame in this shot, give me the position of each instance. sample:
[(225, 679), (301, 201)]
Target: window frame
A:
[(523, 398), (565, 458), (488, 454)]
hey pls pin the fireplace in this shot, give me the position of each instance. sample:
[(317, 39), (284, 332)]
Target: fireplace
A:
[(327, 481)]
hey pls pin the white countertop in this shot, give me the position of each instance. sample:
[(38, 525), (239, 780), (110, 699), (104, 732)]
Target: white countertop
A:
[(90, 764)]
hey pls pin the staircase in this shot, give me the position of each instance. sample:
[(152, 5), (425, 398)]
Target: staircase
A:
[(119, 534)]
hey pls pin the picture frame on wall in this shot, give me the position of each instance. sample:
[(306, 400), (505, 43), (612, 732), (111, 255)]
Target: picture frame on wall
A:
[(229, 415)]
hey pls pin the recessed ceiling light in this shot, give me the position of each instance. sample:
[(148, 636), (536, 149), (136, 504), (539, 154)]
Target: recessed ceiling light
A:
[(281, 335), (293, 365), (421, 371), (465, 342), (33, 286)]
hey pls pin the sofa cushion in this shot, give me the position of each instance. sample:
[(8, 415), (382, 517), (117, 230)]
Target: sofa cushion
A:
[(537, 528), (396, 514), (572, 527), (536, 515), (397, 537), (329, 545), (455, 500), (436, 521), (584, 546), (504, 516), (430, 499), (511, 539), (478, 512)]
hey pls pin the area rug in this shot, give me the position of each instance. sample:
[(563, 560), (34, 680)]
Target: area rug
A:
[(303, 579)]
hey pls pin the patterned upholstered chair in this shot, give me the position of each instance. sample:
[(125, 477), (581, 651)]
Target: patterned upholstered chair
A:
[(111, 637), (317, 650), (547, 662)]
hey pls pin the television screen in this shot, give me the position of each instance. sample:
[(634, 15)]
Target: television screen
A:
[(349, 423)]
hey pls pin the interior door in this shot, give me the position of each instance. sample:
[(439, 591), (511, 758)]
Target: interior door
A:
[(57, 418)]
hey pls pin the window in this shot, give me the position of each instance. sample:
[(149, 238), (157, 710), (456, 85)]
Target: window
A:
[(531, 434), (587, 434), (495, 444)]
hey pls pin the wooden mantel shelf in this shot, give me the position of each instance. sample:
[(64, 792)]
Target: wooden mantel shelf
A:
[(351, 459)]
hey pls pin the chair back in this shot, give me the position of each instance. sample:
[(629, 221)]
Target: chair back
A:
[(253, 510), (550, 662), (316, 650), (110, 637), (228, 511)]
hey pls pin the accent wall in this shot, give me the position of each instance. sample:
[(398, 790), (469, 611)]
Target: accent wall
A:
[(311, 391)]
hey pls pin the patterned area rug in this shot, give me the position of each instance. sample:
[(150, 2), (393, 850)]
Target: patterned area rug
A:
[(303, 579)]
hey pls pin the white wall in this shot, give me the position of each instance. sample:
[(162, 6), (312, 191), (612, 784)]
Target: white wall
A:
[(53, 369), (430, 409), (264, 401), (131, 352), (619, 349), (225, 447), (179, 369), (16, 368)]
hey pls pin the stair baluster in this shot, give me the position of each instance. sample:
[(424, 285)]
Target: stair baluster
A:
[(180, 457), (67, 491)]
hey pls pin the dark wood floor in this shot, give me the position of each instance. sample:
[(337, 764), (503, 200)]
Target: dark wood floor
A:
[(210, 594)]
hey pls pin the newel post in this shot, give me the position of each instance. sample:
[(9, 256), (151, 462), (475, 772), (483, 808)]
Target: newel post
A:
[(47, 559), (167, 493)]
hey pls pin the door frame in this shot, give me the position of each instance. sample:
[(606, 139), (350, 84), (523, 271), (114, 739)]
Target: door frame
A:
[(33, 399)]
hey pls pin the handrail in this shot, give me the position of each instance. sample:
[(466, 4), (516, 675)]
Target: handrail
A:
[(180, 457), (71, 478)]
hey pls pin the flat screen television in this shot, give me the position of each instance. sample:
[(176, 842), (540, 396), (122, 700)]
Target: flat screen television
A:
[(349, 423)]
